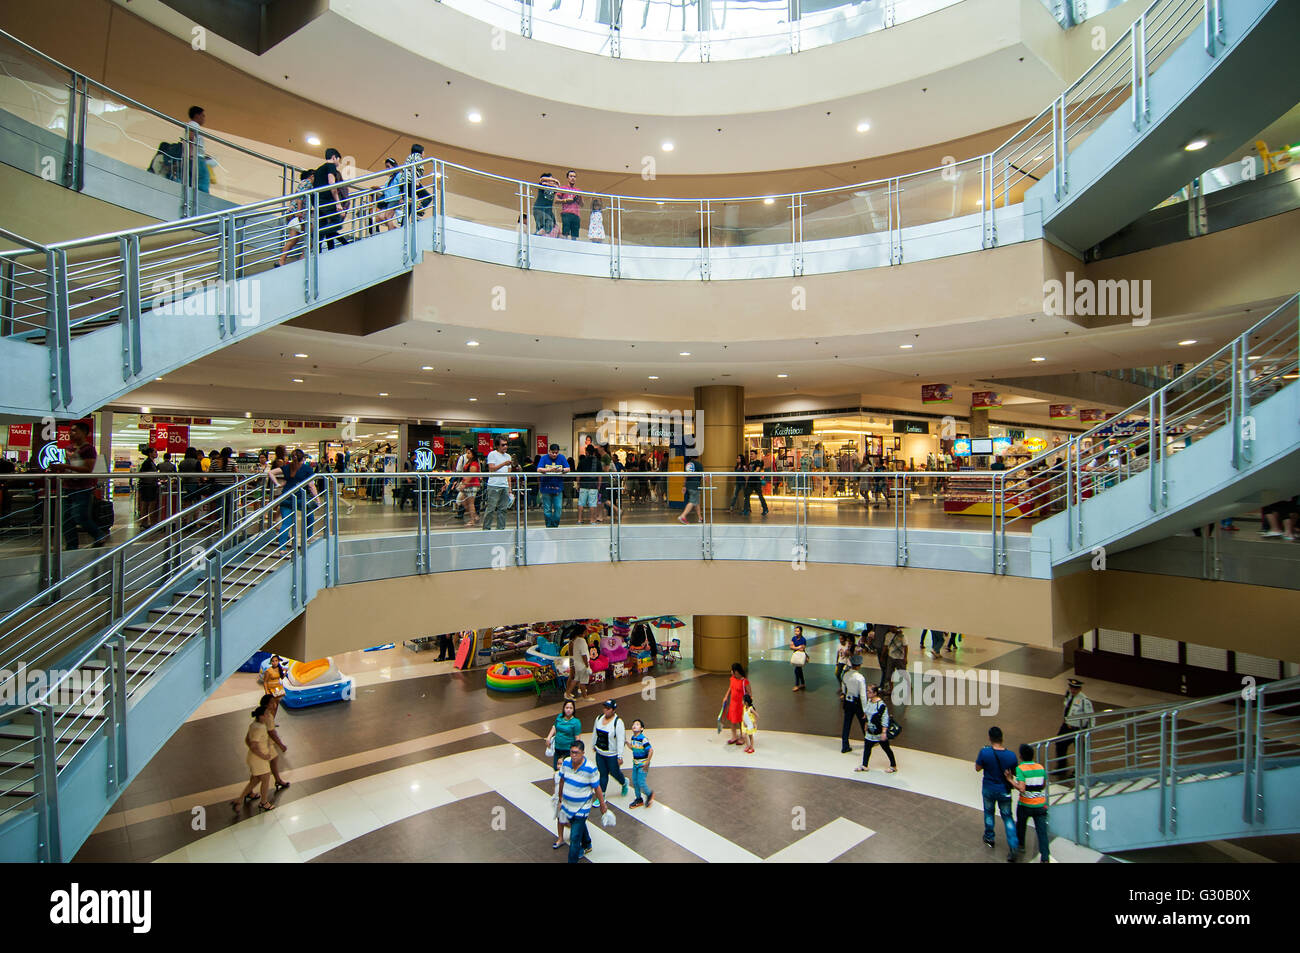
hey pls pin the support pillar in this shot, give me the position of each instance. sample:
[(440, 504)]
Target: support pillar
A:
[(719, 641), (720, 434), (979, 421)]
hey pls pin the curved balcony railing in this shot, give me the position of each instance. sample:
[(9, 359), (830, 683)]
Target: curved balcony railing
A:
[(678, 31)]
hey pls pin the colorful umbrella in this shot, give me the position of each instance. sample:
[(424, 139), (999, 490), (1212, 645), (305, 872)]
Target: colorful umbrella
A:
[(665, 622)]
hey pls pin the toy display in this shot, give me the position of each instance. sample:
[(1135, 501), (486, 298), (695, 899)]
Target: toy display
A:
[(512, 676), (312, 683)]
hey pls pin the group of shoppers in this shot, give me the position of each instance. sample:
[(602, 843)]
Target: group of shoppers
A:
[(550, 193), (579, 781)]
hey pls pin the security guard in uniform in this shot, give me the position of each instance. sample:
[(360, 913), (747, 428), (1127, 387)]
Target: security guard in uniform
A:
[(1076, 716)]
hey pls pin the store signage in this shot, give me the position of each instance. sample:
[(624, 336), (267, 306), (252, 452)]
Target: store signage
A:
[(181, 420), (484, 443), (1089, 415), (49, 455), (985, 398), (911, 426), (201, 421), (158, 437), (543, 444), (63, 436), (20, 435), (1015, 435), (936, 393), (178, 438), (1062, 412), (146, 422), (782, 428)]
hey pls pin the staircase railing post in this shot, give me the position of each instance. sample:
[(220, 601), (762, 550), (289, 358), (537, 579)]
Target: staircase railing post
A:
[(1173, 772), (213, 596), (1245, 724), (1236, 381), (1258, 733), (50, 849), (1164, 769)]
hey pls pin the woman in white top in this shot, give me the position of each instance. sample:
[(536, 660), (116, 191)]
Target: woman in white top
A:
[(876, 729)]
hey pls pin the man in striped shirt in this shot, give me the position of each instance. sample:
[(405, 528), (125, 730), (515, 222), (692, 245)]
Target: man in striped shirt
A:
[(579, 783), (1031, 781)]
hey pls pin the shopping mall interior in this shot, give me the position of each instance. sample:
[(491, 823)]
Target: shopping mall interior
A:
[(909, 374)]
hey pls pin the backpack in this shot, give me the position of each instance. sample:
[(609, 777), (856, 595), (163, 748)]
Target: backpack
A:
[(167, 160)]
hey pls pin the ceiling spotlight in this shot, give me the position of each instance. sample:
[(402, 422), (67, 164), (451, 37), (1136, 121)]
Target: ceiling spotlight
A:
[(782, 375), (248, 413), (1196, 145), (297, 380), (1187, 343), (471, 343), (666, 147), (905, 347), (683, 353), (769, 201), (864, 126), (383, 393), (475, 116), (654, 377), (426, 367), (501, 393), (313, 139), (300, 354), (472, 399), (1038, 360), (157, 378), (144, 410)]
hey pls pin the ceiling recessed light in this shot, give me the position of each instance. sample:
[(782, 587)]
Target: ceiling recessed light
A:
[(654, 377), (501, 393), (383, 393), (248, 413), (157, 378), (905, 347), (1196, 145), (683, 353), (769, 201), (297, 380), (475, 116), (426, 367), (864, 126), (1038, 360), (472, 399), (782, 375), (471, 343), (1186, 343), (313, 139), (144, 410), (666, 147), (300, 354)]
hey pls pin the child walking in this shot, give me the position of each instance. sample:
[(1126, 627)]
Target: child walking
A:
[(749, 724), (642, 752)]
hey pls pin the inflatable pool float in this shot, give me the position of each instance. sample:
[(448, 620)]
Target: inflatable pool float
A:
[(313, 683), (512, 676)]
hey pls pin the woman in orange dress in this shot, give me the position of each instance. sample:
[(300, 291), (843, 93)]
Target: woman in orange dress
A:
[(733, 703), (470, 483)]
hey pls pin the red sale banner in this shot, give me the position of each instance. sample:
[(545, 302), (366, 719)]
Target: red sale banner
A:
[(484, 443), (543, 445), (438, 445), (158, 437), (178, 438), (20, 435)]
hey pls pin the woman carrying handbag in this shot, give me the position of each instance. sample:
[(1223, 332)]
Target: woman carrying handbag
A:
[(799, 658)]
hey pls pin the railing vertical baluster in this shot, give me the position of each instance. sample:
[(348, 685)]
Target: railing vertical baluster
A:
[(109, 671), (1173, 772), (47, 784), (71, 146)]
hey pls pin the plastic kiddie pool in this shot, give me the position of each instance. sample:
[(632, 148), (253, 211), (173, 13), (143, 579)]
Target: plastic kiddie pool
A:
[(512, 676), (313, 683)]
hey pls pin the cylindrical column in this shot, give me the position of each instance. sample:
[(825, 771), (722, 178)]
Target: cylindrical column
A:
[(720, 425), (719, 641), (979, 421)]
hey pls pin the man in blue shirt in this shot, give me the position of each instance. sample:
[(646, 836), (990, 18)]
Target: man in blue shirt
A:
[(579, 783), (550, 466), (997, 763)]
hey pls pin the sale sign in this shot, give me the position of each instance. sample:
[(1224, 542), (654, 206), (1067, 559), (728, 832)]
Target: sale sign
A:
[(20, 435), (178, 438), (484, 443), (158, 437), (936, 393), (438, 445), (543, 445)]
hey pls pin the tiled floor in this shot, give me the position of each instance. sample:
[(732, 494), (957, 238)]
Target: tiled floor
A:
[(427, 765)]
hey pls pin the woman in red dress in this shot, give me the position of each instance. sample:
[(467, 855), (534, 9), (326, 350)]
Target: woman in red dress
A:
[(470, 483), (733, 703)]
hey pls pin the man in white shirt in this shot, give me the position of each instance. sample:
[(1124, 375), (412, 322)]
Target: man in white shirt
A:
[(498, 486), (853, 690)]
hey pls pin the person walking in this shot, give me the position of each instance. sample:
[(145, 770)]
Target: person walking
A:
[(754, 484), (469, 486), (853, 693), (147, 493), (842, 656), (1076, 716), (733, 702), (198, 148), (749, 724), (642, 753), (498, 486), (580, 658), (257, 756), (272, 702), (997, 762), (579, 783), (564, 732), (607, 742), (798, 657), (79, 494), (692, 492), (551, 465), (589, 483), (895, 655), (876, 730), (332, 203), (1030, 780), (741, 482)]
